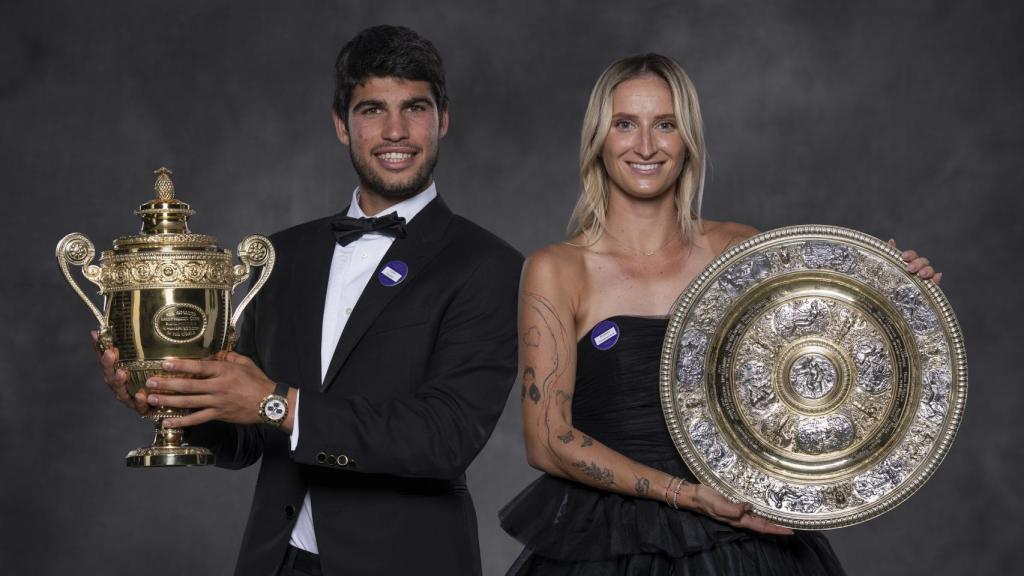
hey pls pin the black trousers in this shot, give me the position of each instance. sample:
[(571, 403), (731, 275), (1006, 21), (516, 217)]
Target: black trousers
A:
[(298, 562)]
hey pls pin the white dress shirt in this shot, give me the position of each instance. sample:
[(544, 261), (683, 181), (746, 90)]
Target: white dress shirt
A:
[(351, 268)]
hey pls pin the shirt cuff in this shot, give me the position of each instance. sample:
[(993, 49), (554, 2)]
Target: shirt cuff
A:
[(294, 436)]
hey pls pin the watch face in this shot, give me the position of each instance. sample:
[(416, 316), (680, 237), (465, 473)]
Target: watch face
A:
[(275, 409)]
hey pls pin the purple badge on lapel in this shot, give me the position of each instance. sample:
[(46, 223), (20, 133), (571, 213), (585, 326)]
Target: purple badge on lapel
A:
[(393, 273), (604, 335)]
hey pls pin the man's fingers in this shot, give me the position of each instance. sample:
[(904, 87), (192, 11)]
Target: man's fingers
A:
[(176, 401), (926, 272), (179, 385), (236, 358), (909, 255), (190, 420), (937, 278), (141, 405), (201, 368)]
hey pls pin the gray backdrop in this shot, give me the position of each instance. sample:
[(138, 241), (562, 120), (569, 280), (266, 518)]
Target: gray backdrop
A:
[(898, 119)]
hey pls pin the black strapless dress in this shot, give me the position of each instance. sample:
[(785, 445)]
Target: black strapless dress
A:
[(571, 529)]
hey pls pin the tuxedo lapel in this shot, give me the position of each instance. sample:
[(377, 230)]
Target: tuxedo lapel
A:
[(311, 274), (422, 242)]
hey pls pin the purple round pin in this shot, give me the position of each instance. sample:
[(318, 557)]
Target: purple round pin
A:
[(604, 335), (393, 273)]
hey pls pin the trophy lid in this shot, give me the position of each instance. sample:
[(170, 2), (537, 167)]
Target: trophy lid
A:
[(165, 220)]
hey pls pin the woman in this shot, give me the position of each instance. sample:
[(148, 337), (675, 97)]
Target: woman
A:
[(617, 498)]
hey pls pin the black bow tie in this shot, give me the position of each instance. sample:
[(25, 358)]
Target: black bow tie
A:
[(348, 229)]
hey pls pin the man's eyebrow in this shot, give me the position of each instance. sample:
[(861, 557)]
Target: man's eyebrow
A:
[(418, 100), (369, 104)]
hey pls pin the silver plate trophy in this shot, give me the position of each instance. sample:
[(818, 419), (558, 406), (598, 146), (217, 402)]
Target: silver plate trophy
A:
[(806, 372)]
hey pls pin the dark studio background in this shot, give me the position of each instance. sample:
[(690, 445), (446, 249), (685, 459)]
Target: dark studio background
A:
[(895, 118)]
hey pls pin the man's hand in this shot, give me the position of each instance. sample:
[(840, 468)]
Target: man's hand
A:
[(117, 380), (918, 265), (229, 390)]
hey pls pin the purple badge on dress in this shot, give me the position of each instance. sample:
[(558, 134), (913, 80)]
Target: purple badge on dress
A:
[(393, 273), (604, 335)]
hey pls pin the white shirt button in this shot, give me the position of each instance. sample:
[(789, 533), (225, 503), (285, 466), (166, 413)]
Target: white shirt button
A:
[(348, 311), (364, 254)]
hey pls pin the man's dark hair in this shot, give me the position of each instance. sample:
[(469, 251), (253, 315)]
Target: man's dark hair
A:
[(383, 51)]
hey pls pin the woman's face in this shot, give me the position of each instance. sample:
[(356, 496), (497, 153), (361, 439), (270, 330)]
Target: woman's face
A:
[(644, 150)]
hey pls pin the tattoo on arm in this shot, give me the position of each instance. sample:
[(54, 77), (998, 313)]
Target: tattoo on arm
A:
[(550, 326), (603, 476), (530, 384), (643, 485), (567, 437), (587, 441)]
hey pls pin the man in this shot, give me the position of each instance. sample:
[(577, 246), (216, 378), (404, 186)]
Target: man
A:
[(374, 364)]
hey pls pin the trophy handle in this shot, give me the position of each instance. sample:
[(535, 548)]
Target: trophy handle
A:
[(76, 249), (254, 251)]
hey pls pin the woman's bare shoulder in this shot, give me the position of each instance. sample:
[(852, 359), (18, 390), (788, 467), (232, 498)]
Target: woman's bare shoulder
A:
[(720, 236)]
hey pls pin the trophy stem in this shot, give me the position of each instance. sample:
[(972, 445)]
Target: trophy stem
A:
[(168, 447)]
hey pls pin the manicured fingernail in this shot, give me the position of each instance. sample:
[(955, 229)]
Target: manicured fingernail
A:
[(154, 399), (168, 365), (151, 383)]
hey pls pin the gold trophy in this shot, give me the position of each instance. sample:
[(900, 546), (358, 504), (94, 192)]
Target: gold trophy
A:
[(167, 294)]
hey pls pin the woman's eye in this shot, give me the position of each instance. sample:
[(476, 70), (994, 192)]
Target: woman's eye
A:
[(666, 125), (623, 124)]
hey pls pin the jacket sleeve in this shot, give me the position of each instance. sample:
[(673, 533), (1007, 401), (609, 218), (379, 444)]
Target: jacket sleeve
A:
[(437, 431)]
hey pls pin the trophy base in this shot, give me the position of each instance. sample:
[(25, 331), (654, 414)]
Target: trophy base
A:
[(158, 456)]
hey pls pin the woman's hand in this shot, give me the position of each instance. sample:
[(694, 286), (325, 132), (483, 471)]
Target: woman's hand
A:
[(918, 265), (709, 502)]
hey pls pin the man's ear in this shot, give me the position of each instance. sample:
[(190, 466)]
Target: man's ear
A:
[(442, 124), (340, 128)]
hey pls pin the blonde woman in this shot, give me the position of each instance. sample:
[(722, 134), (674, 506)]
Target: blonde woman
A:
[(616, 498)]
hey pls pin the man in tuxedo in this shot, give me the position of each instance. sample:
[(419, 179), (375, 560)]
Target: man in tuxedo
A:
[(375, 362)]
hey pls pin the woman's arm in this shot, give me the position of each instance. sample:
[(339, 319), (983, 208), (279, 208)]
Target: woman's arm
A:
[(547, 369)]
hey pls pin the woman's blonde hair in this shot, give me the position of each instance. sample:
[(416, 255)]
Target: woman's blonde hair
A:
[(591, 209)]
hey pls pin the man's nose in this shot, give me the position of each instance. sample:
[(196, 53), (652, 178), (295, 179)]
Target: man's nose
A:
[(395, 128)]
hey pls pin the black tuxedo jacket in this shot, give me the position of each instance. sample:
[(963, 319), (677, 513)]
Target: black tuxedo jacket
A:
[(418, 380)]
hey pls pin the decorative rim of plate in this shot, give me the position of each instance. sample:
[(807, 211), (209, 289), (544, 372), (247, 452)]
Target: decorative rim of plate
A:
[(948, 324)]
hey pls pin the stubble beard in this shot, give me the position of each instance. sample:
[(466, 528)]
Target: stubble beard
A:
[(370, 178)]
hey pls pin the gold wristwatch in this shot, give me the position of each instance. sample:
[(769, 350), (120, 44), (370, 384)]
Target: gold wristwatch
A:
[(274, 408)]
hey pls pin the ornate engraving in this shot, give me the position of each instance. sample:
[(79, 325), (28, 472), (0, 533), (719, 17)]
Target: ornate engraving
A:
[(809, 316), (710, 445), (920, 317), (874, 370), (755, 384), (692, 346), (823, 434), (812, 376), (793, 498), (818, 254), (807, 372), (736, 279)]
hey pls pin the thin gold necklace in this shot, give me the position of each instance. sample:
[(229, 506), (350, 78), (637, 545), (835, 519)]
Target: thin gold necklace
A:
[(644, 252)]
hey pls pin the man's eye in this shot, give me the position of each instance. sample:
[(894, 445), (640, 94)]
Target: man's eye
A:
[(371, 110), (417, 107)]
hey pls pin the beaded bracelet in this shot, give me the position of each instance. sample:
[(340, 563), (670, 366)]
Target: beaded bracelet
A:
[(675, 495)]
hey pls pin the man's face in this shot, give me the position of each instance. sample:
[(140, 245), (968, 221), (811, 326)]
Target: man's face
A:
[(392, 133)]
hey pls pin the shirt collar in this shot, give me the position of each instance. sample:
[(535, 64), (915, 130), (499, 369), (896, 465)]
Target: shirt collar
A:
[(407, 208)]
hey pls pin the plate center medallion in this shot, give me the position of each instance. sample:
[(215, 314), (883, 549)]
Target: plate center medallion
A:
[(812, 376)]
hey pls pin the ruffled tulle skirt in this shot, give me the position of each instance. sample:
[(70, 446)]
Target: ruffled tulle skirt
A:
[(569, 529)]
